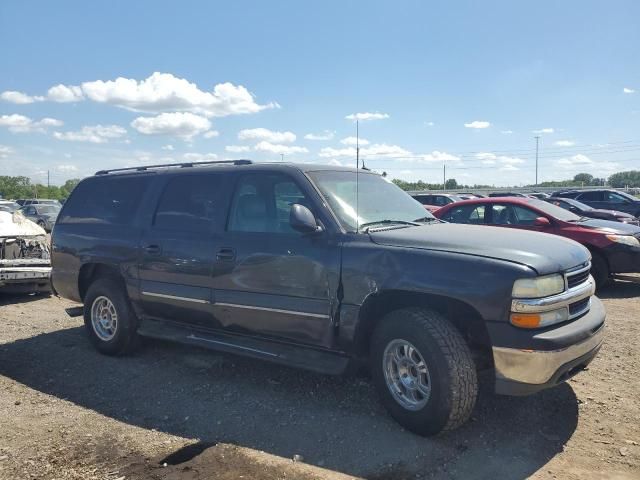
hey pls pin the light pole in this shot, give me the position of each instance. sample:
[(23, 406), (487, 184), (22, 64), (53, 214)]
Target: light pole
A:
[(537, 137)]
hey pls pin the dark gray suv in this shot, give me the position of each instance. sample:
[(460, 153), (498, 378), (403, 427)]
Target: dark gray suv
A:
[(327, 269)]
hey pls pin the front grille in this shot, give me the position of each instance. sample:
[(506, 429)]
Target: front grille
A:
[(578, 308), (575, 279)]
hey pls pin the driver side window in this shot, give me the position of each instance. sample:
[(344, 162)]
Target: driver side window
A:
[(262, 203)]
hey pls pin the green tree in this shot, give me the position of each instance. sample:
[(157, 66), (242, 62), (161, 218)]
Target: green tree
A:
[(451, 184), (625, 179), (583, 178)]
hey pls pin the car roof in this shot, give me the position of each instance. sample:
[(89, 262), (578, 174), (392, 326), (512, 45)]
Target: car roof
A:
[(492, 200), (227, 165)]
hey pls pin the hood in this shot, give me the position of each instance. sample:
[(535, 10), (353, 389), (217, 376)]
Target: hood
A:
[(543, 252), (16, 225), (608, 226), (601, 213)]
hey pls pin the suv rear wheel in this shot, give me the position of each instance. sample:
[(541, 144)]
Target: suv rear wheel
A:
[(423, 371), (109, 318)]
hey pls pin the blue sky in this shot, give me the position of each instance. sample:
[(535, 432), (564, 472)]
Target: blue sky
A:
[(465, 83)]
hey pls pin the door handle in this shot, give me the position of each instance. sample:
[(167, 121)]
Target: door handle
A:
[(226, 253), (153, 249)]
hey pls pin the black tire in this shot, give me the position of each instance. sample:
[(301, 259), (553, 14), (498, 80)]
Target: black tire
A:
[(600, 271), (125, 338), (452, 372)]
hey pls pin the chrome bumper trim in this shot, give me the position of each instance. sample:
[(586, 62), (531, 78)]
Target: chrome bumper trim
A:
[(536, 367), (564, 299), (24, 273)]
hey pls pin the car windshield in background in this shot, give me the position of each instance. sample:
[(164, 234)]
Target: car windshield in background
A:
[(46, 209), (555, 211), (378, 200), (570, 201)]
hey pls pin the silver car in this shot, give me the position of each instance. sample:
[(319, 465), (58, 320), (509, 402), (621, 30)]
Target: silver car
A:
[(44, 215)]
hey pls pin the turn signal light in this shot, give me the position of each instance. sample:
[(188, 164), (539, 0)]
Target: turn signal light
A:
[(526, 320)]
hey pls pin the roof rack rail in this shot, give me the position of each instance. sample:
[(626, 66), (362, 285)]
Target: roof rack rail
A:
[(180, 165)]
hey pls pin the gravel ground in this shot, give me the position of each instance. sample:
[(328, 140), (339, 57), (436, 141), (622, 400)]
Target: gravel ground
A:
[(172, 412)]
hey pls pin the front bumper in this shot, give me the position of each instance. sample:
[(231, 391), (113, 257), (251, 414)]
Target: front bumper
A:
[(17, 275), (523, 371), (623, 258)]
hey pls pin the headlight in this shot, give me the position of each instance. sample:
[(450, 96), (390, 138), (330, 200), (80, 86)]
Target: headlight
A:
[(538, 287), (625, 240)]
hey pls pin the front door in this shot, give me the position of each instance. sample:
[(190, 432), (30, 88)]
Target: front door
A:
[(270, 280), (179, 247)]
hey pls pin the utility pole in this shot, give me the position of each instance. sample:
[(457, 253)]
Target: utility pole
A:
[(537, 137), (48, 182), (282, 157), (357, 144), (444, 175)]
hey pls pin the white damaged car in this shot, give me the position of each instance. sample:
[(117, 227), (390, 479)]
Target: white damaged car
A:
[(25, 261)]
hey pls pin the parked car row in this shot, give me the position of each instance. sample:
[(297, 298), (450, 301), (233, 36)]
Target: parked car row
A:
[(331, 269)]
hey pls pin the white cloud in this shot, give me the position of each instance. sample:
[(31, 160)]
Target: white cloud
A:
[(440, 157), (211, 134), (237, 148), (506, 132), (92, 134), (478, 124), (178, 124), (365, 116), (18, 97), (267, 135), (21, 124), (335, 163), (5, 151), (429, 124), (509, 168), (199, 157), (543, 130), (578, 159), (326, 135), (168, 147), (269, 147), (377, 149), (489, 158), (163, 91), (564, 143), (66, 168), (354, 141), (160, 92), (628, 90), (64, 94)]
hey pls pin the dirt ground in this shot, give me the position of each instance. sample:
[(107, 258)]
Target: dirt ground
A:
[(172, 412)]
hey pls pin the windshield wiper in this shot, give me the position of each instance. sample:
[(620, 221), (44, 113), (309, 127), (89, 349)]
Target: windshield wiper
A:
[(366, 226), (427, 220), (581, 219)]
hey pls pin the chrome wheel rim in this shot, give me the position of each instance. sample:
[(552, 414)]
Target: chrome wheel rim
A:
[(104, 318), (406, 374)]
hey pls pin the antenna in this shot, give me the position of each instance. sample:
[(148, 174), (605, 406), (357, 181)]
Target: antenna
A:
[(357, 174)]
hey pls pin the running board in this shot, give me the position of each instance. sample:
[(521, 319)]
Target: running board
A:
[(282, 353)]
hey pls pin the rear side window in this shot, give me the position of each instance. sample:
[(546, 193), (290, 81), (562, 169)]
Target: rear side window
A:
[(473, 214), (591, 197), (108, 200), (191, 203)]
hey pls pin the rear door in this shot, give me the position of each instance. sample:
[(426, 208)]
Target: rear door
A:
[(270, 280), (178, 248), (518, 216)]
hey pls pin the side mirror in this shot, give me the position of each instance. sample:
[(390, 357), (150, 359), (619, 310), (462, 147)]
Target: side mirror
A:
[(302, 220), (541, 222)]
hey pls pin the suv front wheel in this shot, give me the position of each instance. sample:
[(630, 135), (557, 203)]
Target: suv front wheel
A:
[(108, 317), (423, 371)]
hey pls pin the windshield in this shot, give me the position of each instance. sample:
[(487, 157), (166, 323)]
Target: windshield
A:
[(570, 201), (555, 211), (378, 199), (45, 209)]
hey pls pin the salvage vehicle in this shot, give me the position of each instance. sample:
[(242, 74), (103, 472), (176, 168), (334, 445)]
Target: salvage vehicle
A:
[(584, 210), (25, 265), (44, 214), (605, 199), (8, 206), (329, 269), (614, 246)]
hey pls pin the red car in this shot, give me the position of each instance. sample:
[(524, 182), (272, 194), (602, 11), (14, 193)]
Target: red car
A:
[(614, 246)]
